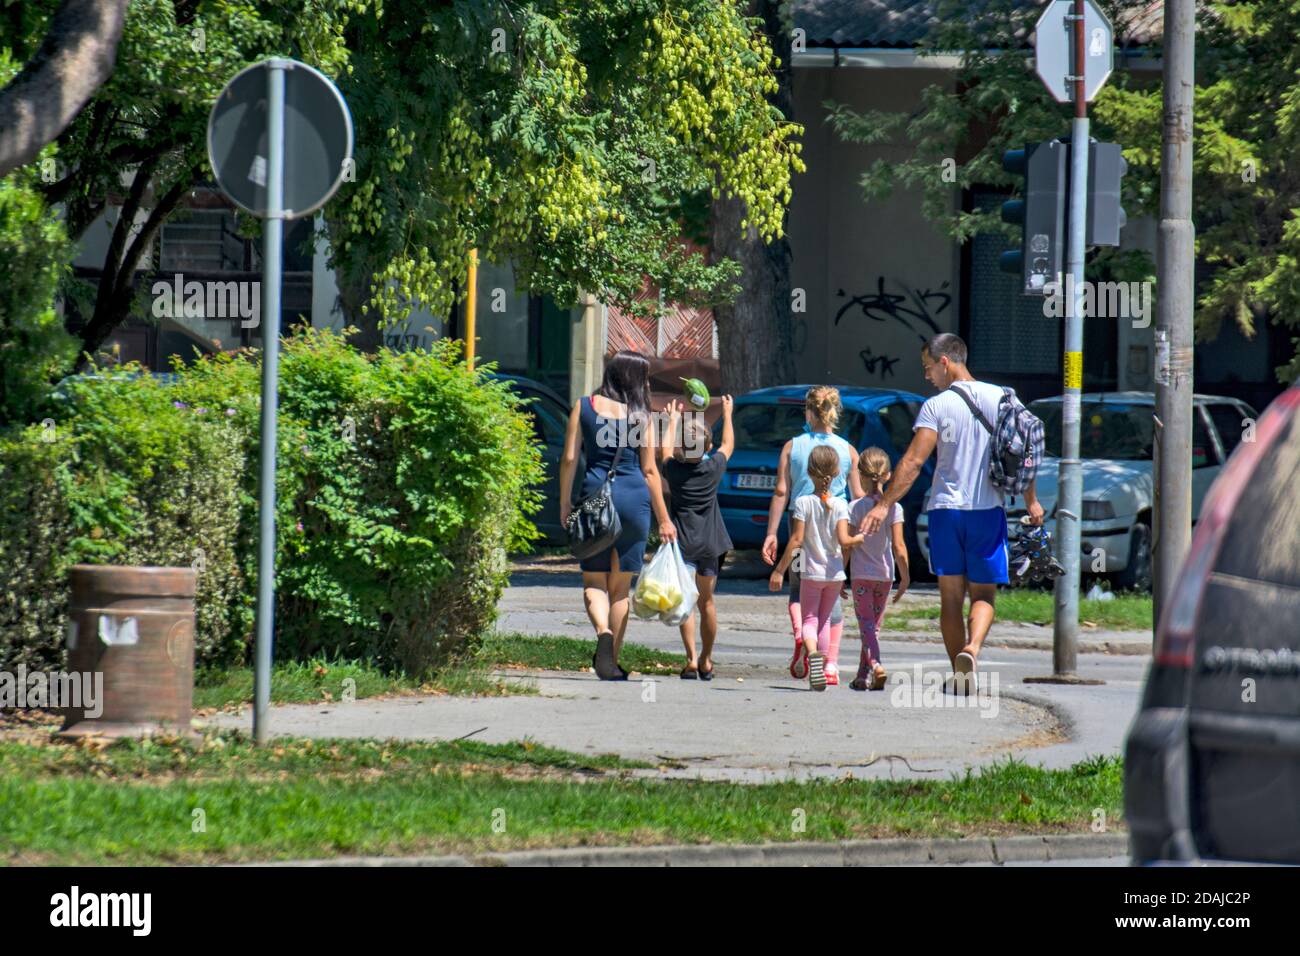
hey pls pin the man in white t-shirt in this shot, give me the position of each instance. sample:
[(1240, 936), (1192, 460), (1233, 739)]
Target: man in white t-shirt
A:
[(967, 523)]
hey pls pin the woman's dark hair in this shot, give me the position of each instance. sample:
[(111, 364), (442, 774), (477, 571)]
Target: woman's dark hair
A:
[(627, 380)]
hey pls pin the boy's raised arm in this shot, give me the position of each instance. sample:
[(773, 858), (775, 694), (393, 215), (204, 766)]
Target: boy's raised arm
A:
[(728, 430), (674, 410)]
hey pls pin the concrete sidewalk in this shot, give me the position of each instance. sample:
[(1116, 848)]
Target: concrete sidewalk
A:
[(545, 597), (753, 722)]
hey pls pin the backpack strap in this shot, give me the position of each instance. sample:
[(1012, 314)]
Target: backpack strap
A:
[(975, 410)]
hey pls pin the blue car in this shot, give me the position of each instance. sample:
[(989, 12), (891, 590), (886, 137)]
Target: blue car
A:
[(769, 417)]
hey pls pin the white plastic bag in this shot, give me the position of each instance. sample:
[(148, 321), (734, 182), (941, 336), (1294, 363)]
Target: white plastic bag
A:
[(690, 593), (664, 587), (1097, 593)]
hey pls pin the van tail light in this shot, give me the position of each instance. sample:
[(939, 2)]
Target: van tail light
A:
[(1176, 633)]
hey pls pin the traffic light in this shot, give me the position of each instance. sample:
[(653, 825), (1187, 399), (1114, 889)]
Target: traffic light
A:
[(1106, 167), (1041, 214)]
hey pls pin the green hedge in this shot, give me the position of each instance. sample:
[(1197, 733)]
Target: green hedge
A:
[(403, 480)]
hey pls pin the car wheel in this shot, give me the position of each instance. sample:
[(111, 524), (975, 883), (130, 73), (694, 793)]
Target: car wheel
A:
[(1136, 575)]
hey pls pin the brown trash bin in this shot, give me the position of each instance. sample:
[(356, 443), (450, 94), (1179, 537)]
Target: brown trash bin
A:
[(136, 627)]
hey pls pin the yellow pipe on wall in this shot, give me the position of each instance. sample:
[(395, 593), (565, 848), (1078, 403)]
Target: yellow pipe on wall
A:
[(471, 307)]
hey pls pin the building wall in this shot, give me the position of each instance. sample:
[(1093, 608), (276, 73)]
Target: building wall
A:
[(877, 277)]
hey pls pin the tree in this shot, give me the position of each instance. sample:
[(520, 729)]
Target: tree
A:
[(570, 138), (1246, 131), (754, 330), (573, 139), (33, 259), (74, 59), (146, 126)]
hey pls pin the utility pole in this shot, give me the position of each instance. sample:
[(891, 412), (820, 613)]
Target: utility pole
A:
[(1065, 626), (1175, 254), (1074, 56)]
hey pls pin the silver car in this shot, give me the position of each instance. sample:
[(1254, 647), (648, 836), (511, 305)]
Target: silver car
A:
[(1117, 434)]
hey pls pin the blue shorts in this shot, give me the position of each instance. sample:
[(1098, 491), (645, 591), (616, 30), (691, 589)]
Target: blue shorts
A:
[(972, 544)]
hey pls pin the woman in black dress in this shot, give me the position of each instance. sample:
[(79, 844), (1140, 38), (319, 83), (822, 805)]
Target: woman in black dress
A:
[(616, 421)]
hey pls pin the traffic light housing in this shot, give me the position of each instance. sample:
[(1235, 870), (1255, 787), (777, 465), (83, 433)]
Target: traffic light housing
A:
[(1041, 214), (1106, 217)]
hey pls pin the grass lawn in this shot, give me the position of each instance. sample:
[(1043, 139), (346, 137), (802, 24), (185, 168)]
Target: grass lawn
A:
[(296, 682), (323, 680), (137, 802), (1128, 611), (551, 652)]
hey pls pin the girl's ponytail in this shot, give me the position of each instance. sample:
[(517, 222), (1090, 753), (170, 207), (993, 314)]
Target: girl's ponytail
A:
[(823, 466), (873, 469)]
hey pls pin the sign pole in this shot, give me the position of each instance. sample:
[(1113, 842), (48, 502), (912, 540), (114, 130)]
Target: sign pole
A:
[(303, 108), (1065, 626), (1175, 306), (272, 245)]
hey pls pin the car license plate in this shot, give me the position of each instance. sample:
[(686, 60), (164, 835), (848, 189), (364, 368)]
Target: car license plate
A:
[(757, 482)]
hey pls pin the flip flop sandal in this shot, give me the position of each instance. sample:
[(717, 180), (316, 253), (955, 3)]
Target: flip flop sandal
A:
[(689, 673), (963, 678), (708, 674), (858, 683)]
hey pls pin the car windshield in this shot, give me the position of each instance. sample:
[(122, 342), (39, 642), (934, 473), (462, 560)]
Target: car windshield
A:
[(1106, 429), (767, 427)]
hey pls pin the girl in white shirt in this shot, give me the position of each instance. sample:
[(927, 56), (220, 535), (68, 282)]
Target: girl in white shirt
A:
[(820, 527)]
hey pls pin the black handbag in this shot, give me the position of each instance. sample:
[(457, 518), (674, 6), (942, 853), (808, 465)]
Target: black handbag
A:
[(593, 525)]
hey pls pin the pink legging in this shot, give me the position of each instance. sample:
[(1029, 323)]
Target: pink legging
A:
[(869, 600), (816, 601), (837, 631)]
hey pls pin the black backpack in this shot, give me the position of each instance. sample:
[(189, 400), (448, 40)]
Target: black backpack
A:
[(1017, 441)]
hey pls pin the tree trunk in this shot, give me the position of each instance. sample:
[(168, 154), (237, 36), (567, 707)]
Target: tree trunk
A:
[(75, 59), (117, 279), (754, 331), (354, 292)]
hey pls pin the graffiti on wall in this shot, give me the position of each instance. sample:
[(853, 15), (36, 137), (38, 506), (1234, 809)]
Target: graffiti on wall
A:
[(916, 310), (884, 363)]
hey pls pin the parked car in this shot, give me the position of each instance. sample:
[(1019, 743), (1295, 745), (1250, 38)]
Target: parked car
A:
[(769, 417), (1117, 435), (1212, 761), (550, 417)]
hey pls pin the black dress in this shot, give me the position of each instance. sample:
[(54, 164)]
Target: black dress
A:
[(631, 493), (701, 532)]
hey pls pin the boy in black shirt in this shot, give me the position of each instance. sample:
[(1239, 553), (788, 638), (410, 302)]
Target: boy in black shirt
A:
[(693, 476)]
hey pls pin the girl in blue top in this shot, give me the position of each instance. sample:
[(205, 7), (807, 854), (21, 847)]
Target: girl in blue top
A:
[(822, 411)]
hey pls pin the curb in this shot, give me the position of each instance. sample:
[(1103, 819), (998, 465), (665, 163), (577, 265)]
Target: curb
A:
[(1130, 647), (893, 852)]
